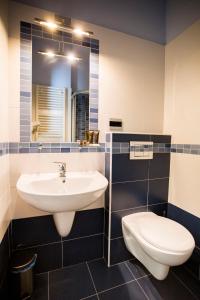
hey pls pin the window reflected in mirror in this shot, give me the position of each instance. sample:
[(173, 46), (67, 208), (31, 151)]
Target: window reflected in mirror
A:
[(60, 91)]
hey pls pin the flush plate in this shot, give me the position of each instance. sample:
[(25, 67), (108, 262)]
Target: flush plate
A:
[(141, 150)]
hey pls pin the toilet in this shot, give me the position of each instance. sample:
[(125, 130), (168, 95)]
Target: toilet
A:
[(157, 242)]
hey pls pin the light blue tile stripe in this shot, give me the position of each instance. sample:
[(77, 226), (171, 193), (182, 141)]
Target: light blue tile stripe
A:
[(118, 148)]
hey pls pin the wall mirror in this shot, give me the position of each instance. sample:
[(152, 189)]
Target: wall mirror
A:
[(60, 103)]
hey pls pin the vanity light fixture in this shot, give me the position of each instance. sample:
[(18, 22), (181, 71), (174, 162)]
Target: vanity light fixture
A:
[(59, 26), (71, 57)]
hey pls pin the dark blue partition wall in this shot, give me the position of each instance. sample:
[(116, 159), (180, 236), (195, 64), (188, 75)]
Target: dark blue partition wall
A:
[(4, 265), (134, 186), (192, 223)]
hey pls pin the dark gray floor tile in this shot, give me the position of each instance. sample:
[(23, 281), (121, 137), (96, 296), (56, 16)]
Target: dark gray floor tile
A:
[(71, 283), (90, 298), (168, 289), (106, 278), (129, 291), (188, 279), (40, 287), (137, 269)]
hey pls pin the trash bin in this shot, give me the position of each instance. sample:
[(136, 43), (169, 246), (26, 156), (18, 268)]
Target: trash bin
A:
[(22, 275)]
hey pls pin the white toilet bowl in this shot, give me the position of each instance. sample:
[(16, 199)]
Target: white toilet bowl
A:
[(157, 242)]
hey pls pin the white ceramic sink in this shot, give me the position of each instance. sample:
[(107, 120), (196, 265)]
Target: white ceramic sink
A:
[(48, 192)]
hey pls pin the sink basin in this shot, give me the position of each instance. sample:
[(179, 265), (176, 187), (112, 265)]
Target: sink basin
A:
[(50, 193)]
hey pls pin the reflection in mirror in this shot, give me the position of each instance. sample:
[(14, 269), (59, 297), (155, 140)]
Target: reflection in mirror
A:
[(60, 91)]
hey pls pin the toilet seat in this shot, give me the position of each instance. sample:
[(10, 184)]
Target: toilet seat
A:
[(157, 242), (161, 233)]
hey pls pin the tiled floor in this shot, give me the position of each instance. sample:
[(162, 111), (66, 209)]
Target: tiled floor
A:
[(128, 280)]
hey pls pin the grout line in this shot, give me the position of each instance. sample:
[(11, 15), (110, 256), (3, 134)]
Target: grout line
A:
[(142, 290), (57, 242), (110, 202), (137, 207), (114, 287), (137, 280), (139, 180), (88, 297), (92, 279), (82, 237), (148, 185), (187, 288)]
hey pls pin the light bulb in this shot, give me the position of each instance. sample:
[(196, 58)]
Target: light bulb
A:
[(50, 25), (80, 32)]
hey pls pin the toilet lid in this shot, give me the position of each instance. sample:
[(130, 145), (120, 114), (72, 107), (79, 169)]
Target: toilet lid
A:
[(164, 233)]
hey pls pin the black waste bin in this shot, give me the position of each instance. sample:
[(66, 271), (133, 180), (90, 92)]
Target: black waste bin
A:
[(22, 275)]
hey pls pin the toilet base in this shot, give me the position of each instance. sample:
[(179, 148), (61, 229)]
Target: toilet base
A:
[(158, 270)]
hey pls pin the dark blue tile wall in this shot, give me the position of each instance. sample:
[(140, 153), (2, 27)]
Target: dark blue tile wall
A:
[(192, 223), (134, 185), (39, 235), (4, 264)]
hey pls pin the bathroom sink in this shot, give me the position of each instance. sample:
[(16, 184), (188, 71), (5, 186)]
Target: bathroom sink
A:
[(62, 197)]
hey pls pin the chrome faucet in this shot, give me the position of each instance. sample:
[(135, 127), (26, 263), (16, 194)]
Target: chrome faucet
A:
[(62, 168)]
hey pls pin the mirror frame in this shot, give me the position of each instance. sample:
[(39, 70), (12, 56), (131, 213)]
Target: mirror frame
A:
[(27, 31)]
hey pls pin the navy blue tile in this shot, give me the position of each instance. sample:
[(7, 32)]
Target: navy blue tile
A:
[(25, 24), (106, 278), (159, 165), (4, 255), (166, 139), (106, 222), (105, 250), (159, 209), (34, 231), (129, 291), (158, 191), (137, 269), (168, 289), (87, 222), (49, 257), (124, 169), (71, 283), (118, 251), (191, 222), (65, 150), (116, 224), (191, 282), (193, 264), (4, 264), (107, 197), (126, 138), (36, 27), (24, 150), (40, 287), (83, 249), (129, 195)]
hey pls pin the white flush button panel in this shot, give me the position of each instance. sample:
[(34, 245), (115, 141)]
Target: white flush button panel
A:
[(141, 150)]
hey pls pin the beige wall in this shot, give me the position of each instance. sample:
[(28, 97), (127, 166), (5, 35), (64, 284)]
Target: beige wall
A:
[(130, 87), (182, 116), (4, 160)]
